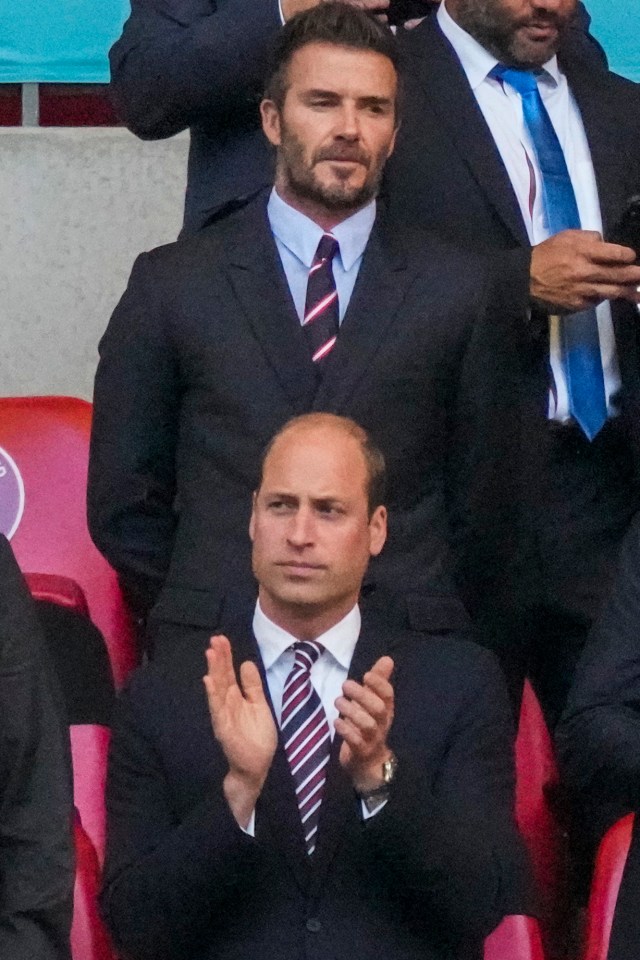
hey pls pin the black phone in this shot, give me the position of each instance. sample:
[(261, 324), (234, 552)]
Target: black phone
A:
[(627, 232)]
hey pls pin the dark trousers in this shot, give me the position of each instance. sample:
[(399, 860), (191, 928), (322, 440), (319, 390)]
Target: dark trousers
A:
[(578, 500)]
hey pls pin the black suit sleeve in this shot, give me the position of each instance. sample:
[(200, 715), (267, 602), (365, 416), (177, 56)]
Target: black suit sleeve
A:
[(36, 849), (131, 485), (180, 63), (154, 899), (599, 735), (452, 843)]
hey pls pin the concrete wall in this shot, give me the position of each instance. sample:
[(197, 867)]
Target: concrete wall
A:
[(77, 206)]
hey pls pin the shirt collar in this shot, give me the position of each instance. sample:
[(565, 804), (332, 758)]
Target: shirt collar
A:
[(301, 235), (340, 641), (477, 62)]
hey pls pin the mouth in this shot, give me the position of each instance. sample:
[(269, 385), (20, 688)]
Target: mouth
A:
[(297, 568), (540, 32)]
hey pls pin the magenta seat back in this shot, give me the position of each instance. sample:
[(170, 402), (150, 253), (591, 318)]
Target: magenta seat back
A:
[(44, 451)]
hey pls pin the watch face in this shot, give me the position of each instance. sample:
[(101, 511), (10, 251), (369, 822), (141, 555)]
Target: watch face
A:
[(388, 769)]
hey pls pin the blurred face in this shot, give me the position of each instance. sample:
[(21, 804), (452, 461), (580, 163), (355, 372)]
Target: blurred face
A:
[(336, 127), (312, 536), (520, 33)]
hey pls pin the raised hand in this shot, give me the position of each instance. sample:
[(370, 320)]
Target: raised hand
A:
[(576, 269), (243, 725), (366, 714)]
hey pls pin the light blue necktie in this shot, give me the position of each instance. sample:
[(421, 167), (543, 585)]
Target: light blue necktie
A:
[(578, 331)]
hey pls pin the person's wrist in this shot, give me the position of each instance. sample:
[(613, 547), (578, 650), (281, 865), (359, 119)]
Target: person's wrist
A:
[(241, 791), (376, 775)]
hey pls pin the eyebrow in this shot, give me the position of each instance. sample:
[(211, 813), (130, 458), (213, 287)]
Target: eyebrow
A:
[(370, 101)]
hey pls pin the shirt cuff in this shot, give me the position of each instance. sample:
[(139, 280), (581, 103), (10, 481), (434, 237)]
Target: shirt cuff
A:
[(282, 21)]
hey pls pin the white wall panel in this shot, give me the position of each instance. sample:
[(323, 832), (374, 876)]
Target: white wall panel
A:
[(76, 207)]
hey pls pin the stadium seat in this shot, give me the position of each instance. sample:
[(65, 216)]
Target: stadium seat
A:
[(516, 938), (537, 798), (44, 448), (89, 938), (607, 875)]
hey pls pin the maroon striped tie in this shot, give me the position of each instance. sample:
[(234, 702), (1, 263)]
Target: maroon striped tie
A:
[(307, 739), (321, 306)]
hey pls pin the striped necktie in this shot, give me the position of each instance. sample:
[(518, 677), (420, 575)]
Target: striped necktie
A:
[(321, 315), (581, 358), (307, 738)]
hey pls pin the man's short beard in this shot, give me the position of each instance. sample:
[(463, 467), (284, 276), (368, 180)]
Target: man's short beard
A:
[(300, 179), (496, 32)]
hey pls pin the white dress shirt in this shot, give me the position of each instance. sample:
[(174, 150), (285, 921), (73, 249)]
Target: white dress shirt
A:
[(501, 107), (297, 238), (328, 673)]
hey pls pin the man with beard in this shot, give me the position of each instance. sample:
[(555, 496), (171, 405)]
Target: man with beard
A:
[(201, 64), (507, 147), (302, 300)]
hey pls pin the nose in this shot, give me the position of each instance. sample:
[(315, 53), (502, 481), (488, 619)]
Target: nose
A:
[(300, 531), (349, 128)]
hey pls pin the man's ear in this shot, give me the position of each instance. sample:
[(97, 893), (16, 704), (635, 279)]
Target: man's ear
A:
[(270, 121), (252, 521), (377, 530)]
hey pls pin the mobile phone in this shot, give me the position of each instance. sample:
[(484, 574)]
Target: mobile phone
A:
[(627, 231)]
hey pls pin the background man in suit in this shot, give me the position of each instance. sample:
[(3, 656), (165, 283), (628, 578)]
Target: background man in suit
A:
[(468, 166), (599, 736), (355, 792), (36, 806), (212, 349), (202, 64)]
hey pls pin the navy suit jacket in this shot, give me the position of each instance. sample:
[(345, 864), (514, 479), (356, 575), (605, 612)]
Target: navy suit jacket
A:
[(599, 736), (205, 359), (201, 64), (36, 805), (429, 876)]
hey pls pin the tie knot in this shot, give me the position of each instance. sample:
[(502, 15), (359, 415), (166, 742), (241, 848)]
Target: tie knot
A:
[(327, 248), (524, 81), (306, 653)]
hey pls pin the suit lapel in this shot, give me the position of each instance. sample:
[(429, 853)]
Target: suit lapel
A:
[(261, 287), (601, 120), (379, 291), (432, 61)]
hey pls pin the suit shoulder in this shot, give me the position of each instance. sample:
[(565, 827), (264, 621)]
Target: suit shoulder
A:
[(448, 656)]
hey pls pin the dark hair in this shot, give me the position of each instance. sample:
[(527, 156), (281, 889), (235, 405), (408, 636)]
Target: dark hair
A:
[(373, 456), (337, 23)]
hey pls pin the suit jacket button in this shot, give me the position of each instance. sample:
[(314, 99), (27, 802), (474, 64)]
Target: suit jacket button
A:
[(314, 925)]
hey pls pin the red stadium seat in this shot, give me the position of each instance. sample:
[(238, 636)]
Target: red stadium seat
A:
[(44, 447), (516, 938), (537, 782), (89, 938), (89, 749), (607, 875)]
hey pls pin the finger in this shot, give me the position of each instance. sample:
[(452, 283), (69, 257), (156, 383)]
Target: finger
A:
[(371, 4), (251, 682), (365, 697), (613, 254), (350, 734), (224, 658), (415, 22), (361, 718), (383, 667)]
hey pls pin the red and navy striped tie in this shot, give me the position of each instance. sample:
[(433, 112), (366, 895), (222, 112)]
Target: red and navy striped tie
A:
[(307, 738), (321, 314)]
